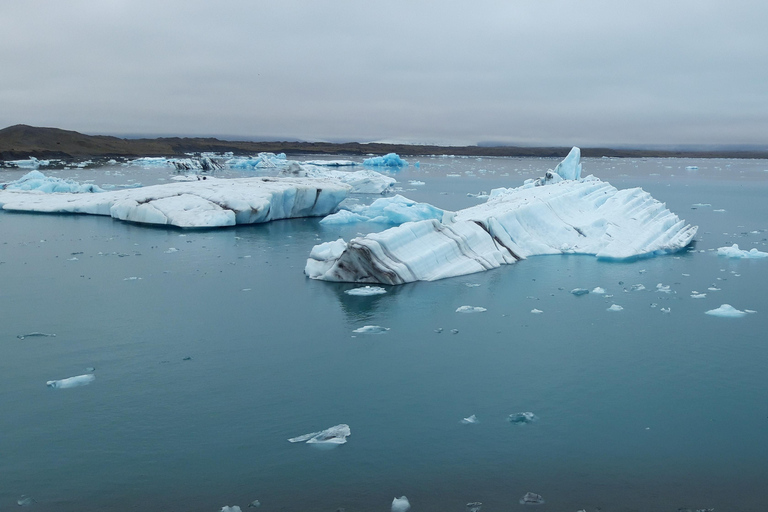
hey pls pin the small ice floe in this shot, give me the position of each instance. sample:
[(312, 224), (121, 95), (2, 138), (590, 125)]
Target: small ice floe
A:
[(701, 205), (470, 309), (719, 211), (401, 504), (371, 329), (615, 307), (171, 250), (71, 382), (474, 506), (439, 330), (35, 334), (254, 503), (637, 287), (713, 289), (233, 508), (522, 418), (579, 291), (691, 167), (662, 288), (697, 295), (471, 285), (598, 290), (25, 501), (132, 278), (536, 311), (416, 183), (531, 498), (73, 258), (470, 420), (750, 311), (329, 437), (734, 252), (666, 310), (454, 331), (366, 291), (726, 311)]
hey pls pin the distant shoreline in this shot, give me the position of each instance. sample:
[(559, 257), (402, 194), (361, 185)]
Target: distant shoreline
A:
[(21, 141)]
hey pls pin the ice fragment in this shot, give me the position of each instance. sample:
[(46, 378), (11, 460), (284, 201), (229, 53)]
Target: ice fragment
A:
[(35, 334), (615, 307), (531, 498), (333, 436), (470, 420), (366, 291), (470, 309), (371, 329), (522, 418), (726, 311), (579, 291), (71, 382), (400, 504)]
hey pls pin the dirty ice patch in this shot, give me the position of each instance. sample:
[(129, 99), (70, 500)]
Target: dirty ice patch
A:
[(734, 252)]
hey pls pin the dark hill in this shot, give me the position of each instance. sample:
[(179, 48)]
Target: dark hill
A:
[(22, 141)]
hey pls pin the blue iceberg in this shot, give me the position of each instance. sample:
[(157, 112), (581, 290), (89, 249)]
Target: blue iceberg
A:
[(388, 160)]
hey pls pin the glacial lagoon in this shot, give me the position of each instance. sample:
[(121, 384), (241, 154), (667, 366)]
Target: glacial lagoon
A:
[(211, 348)]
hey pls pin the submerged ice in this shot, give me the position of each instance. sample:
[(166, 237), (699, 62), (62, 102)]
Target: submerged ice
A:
[(564, 214)]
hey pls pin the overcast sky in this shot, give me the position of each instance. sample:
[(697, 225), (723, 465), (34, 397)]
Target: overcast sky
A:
[(454, 72)]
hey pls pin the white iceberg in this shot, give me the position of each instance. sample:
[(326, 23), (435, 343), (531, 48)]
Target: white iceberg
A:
[(362, 182), (470, 309), (264, 160), (333, 436), (735, 252), (35, 180), (401, 504), (366, 291), (393, 210), (581, 216), (388, 160), (726, 311), (196, 204), (598, 290), (471, 420), (371, 329), (71, 382), (615, 307)]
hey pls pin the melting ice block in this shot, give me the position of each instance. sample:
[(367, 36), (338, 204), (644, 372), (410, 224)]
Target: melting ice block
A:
[(726, 311), (196, 204), (35, 180), (735, 252), (570, 216), (401, 504), (71, 382), (333, 436)]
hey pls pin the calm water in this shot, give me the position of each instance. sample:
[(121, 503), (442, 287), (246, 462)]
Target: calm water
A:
[(639, 410)]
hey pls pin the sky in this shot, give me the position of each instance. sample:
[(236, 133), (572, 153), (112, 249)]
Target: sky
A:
[(534, 72)]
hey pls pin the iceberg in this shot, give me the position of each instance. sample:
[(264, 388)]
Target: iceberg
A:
[(470, 309), (726, 311), (560, 216), (35, 180), (362, 182), (332, 163), (29, 163), (393, 210), (71, 382), (522, 418), (388, 160), (371, 329), (470, 420), (366, 291), (195, 204), (264, 160), (531, 498), (333, 436), (401, 504), (735, 252)]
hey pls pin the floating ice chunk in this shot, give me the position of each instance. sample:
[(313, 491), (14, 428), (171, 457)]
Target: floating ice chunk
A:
[(25, 501), (233, 508), (416, 183), (71, 382), (691, 167), (531, 498), (598, 291), (400, 504), (371, 329), (366, 291), (197, 204), (536, 311), (697, 295), (388, 160), (666, 310), (585, 216), (735, 252), (470, 309), (35, 334), (637, 287), (713, 289), (615, 307), (254, 503), (470, 420), (171, 250), (663, 288), (474, 506), (726, 311), (264, 160), (579, 291), (394, 210), (333, 436), (750, 311), (522, 418), (332, 163), (37, 181)]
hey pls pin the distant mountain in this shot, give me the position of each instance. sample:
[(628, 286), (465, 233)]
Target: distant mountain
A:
[(22, 141)]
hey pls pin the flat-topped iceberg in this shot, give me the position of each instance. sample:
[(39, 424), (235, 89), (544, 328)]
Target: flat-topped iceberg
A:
[(735, 252), (35, 180), (362, 182), (195, 204), (560, 216)]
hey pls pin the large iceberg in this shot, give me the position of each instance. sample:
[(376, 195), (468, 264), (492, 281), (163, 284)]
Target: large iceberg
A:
[(560, 216), (196, 204), (362, 182), (35, 180)]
